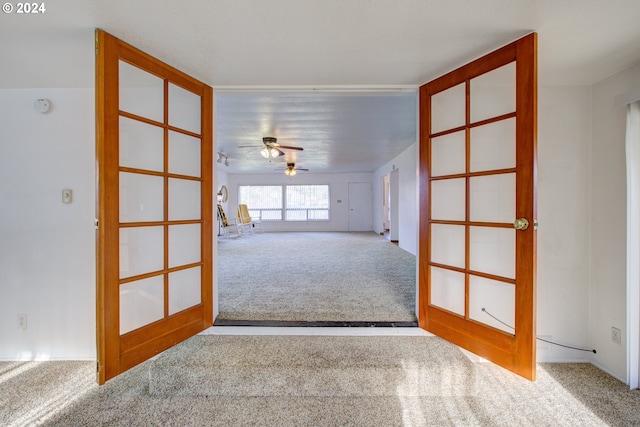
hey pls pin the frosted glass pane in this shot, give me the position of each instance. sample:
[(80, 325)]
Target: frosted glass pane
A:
[(184, 199), (493, 198), (184, 289), (493, 146), (184, 109), (141, 93), (447, 290), (448, 199), (493, 251), (448, 154), (448, 245), (184, 154), (497, 298), (141, 145), (141, 250), (493, 93), (184, 244), (141, 303), (141, 197), (448, 109)]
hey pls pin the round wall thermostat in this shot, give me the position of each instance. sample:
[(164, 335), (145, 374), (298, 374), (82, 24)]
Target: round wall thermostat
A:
[(42, 105)]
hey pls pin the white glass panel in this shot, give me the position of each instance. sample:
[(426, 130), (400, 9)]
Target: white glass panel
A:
[(448, 245), (494, 93), (493, 251), (493, 198), (448, 199), (497, 298), (447, 290), (184, 154), (493, 146), (141, 302), (184, 289), (184, 244), (141, 250), (184, 199), (141, 93), (448, 109), (141, 197), (448, 154), (141, 145), (184, 109)]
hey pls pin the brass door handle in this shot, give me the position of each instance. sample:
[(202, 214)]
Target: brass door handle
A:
[(521, 224)]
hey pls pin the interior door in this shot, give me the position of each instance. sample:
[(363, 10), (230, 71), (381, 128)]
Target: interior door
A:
[(154, 228), (478, 208), (360, 206)]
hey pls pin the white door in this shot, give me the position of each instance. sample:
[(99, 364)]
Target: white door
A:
[(360, 206)]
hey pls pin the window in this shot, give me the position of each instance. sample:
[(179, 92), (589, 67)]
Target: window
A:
[(263, 201), (307, 202), (286, 202)]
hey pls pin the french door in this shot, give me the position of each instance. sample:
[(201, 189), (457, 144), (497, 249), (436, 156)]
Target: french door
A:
[(154, 225), (478, 206)]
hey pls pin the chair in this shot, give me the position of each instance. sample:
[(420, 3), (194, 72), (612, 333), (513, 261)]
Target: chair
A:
[(246, 220), (229, 226)]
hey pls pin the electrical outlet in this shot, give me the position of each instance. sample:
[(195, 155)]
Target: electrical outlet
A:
[(22, 321), (616, 337)]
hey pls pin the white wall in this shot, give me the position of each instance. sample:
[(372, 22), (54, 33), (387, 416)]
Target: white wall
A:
[(47, 249), (564, 121), (608, 222), (338, 192), (407, 165)]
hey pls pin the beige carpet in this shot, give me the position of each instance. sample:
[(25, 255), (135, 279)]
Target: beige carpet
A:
[(315, 277), (64, 394)]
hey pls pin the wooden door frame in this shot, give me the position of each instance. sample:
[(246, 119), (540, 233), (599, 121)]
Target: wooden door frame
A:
[(520, 356), (116, 353)]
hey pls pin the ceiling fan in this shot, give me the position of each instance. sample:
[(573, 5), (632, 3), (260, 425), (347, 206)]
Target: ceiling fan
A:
[(272, 149), (291, 169)]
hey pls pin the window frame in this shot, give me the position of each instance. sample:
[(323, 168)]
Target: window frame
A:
[(257, 212)]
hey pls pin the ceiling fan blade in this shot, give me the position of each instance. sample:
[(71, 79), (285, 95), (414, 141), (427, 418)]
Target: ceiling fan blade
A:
[(302, 169), (286, 147)]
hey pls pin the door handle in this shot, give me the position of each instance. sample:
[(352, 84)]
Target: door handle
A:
[(521, 224)]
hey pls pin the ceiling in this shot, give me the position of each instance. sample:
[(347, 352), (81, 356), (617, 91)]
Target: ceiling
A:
[(337, 77)]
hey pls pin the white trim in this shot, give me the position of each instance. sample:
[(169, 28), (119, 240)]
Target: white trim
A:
[(633, 244), (344, 89)]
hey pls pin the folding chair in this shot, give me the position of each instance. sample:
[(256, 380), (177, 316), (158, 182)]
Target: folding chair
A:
[(246, 220), (229, 226)]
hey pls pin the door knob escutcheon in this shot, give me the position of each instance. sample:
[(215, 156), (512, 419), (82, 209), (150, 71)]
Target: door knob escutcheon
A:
[(521, 224)]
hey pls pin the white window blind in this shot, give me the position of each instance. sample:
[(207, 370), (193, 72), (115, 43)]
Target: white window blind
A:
[(286, 202)]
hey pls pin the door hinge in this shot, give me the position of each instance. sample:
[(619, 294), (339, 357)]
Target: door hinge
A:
[(95, 223), (98, 367)]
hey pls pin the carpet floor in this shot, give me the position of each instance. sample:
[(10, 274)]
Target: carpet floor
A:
[(65, 394), (323, 276)]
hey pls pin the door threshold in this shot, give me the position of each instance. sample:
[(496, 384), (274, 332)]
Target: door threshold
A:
[(314, 324)]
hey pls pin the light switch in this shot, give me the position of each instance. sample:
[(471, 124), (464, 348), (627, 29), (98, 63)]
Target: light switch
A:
[(67, 196)]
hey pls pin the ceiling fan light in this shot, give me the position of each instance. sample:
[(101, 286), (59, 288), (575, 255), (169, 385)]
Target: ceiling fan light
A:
[(265, 153), (274, 153), (293, 172)]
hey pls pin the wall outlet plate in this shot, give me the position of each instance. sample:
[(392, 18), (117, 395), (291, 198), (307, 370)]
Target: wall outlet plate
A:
[(616, 335), (67, 196)]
